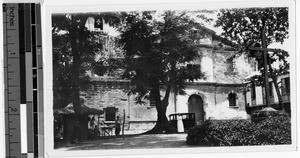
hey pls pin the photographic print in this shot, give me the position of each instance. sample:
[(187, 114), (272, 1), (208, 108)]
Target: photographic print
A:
[(171, 78)]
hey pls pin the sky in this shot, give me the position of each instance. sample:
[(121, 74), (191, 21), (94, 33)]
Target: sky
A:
[(285, 46)]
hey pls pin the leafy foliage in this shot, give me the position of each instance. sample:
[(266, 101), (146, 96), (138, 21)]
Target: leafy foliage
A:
[(245, 28), (157, 50), (74, 51), (271, 131), (157, 47), (244, 25)]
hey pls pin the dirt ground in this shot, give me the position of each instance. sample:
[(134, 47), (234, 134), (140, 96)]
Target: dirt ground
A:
[(130, 142)]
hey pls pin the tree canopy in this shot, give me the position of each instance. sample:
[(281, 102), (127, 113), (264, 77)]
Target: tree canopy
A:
[(244, 27), (156, 53), (75, 50)]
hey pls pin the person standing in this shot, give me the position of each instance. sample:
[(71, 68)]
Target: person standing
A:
[(92, 122), (180, 127), (118, 126), (96, 132)]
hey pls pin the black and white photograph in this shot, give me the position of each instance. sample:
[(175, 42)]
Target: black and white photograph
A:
[(171, 78)]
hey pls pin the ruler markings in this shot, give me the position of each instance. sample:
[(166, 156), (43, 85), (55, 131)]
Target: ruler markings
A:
[(6, 124), (15, 55), (11, 50), (5, 80)]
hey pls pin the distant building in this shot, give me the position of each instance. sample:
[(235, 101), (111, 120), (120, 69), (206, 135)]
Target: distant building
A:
[(256, 98)]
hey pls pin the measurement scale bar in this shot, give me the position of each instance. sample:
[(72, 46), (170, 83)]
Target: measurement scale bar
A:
[(23, 79)]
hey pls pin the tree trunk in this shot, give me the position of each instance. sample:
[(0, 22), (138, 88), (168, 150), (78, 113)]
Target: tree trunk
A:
[(274, 78), (80, 131), (162, 123)]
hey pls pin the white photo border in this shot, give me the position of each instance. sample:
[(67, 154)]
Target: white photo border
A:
[(69, 6)]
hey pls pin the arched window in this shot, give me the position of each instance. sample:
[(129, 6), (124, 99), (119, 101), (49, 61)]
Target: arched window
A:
[(232, 99)]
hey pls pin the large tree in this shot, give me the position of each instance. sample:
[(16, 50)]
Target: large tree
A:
[(245, 28), (74, 54), (157, 47), (74, 51)]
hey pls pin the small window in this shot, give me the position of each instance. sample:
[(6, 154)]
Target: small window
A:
[(229, 65), (193, 33), (194, 69), (110, 114), (98, 24), (232, 99), (253, 91)]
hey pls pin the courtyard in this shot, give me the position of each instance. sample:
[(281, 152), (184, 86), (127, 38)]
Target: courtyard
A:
[(129, 142)]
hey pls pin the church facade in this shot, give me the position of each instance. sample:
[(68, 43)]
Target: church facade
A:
[(220, 96)]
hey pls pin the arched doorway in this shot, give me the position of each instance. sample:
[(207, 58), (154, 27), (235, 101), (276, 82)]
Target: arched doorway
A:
[(195, 105)]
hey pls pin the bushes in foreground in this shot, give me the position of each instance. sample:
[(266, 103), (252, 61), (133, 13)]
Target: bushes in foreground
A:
[(270, 131)]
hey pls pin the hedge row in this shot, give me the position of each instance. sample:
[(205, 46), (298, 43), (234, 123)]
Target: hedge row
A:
[(270, 131)]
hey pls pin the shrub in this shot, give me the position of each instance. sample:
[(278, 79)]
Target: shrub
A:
[(274, 130), (270, 131), (205, 134)]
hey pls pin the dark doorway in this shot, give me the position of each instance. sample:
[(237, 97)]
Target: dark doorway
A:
[(195, 105)]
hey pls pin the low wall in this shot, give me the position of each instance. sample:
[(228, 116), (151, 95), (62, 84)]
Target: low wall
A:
[(135, 127)]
